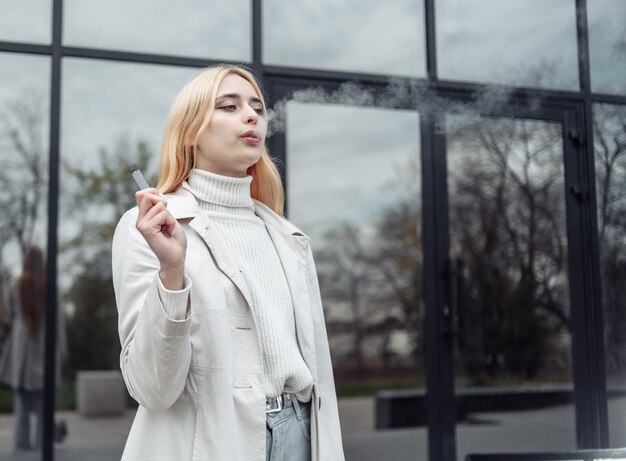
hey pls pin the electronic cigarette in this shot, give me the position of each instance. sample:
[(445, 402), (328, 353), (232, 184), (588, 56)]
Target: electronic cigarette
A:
[(138, 177)]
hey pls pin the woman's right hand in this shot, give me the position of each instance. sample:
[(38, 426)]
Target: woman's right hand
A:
[(164, 235)]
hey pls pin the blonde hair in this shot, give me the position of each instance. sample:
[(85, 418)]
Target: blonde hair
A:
[(190, 114)]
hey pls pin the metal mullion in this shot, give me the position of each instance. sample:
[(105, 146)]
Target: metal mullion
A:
[(431, 39), (608, 99), (327, 75), (27, 48), (588, 346), (139, 58), (435, 235), (257, 39), (51, 304)]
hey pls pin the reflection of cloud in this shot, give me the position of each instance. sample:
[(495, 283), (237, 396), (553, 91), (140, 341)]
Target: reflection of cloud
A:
[(26, 21), (507, 42), (374, 37), (342, 162), (208, 29), (103, 100), (23, 74), (606, 33)]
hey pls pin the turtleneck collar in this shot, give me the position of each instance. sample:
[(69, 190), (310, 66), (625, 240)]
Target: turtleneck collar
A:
[(220, 190)]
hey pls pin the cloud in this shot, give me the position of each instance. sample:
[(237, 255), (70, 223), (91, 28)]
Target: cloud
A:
[(607, 45), (102, 100), (27, 21), (517, 42), (206, 29), (346, 174), (351, 35)]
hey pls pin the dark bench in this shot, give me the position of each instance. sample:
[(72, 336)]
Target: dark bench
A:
[(408, 407)]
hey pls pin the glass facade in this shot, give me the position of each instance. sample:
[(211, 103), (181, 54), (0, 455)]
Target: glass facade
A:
[(210, 30), (607, 45), (24, 136), (518, 42), (26, 21), (376, 38), (461, 184), (610, 159)]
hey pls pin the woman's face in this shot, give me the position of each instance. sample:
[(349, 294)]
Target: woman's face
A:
[(234, 138)]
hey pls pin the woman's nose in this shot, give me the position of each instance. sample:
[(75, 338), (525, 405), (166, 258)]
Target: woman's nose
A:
[(251, 115)]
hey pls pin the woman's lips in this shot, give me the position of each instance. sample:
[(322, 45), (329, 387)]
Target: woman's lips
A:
[(251, 136)]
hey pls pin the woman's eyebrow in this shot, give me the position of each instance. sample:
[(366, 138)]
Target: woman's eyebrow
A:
[(237, 96)]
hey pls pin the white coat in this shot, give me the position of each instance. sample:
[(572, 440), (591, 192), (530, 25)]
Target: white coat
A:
[(199, 381)]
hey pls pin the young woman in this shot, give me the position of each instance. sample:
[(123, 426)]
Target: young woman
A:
[(224, 344), (22, 361)]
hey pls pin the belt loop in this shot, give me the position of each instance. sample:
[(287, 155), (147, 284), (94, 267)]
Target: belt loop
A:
[(296, 406)]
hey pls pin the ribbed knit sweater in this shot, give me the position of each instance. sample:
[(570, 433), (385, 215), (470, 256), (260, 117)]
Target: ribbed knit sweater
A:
[(228, 202)]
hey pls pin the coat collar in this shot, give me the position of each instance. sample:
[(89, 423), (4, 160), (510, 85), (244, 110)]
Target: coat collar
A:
[(183, 205)]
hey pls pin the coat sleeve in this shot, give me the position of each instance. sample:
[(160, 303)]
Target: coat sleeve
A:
[(154, 323)]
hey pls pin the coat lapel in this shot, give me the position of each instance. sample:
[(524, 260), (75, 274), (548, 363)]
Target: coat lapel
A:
[(223, 258)]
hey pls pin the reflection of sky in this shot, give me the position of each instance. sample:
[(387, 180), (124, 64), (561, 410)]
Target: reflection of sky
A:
[(209, 29), (607, 44), (508, 41), (375, 37), (343, 163), (102, 100), (26, 21)]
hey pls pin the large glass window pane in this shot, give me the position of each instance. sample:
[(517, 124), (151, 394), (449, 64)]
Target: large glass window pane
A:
[(350, 35), (113, 116), (26, 21), (24, 137), (610, 155), (210, 29), (356, 193), (607, 45), (509, 247), (518, 42)]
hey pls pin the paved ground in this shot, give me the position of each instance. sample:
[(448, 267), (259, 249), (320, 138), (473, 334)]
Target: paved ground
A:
[(102, 439)]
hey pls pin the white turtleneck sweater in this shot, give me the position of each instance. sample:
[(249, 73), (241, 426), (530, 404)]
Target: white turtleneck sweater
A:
[(229, 205)]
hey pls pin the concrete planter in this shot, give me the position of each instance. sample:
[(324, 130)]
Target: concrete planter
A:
[(100, 393)]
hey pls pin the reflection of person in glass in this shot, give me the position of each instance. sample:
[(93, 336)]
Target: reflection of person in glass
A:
[(223, 338), (22, 361)]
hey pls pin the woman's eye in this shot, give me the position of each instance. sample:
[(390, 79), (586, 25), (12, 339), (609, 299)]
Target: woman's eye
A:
[(259, 110), (229, 107)]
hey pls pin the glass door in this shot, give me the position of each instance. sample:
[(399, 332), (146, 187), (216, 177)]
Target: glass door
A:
[(516, 361), (510, 290)]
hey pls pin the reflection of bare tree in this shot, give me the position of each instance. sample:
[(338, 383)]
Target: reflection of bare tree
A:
[(507, 223), (373, 274), (610, 155), (24, 168), (344, 278), (23, 176)]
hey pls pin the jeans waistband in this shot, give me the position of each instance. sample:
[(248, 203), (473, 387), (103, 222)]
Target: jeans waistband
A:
[(275, 404)]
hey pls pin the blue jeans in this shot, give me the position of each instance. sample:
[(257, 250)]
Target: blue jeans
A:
[(288, 433), (25, 403)]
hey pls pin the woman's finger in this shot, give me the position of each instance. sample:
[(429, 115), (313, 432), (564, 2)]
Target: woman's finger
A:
[(146, 199), (155, 218)]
